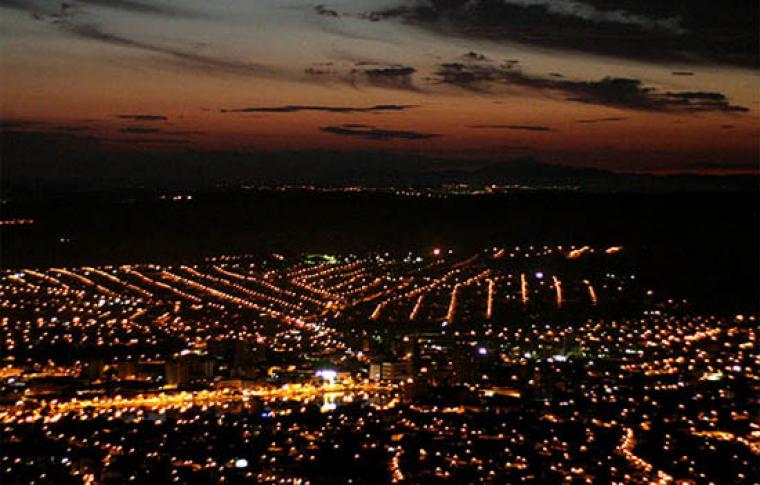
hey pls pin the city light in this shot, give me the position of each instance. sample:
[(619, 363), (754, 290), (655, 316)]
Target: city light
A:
[(196, 362)]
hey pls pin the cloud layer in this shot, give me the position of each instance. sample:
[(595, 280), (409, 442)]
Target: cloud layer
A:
[(294, 108), (372, 133), (694, 31), (614, 92)]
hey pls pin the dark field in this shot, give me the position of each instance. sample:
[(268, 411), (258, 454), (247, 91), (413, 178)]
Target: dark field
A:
[(697, 246)]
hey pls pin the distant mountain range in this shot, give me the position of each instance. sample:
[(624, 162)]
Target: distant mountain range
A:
[(194, 170), (531, 172)]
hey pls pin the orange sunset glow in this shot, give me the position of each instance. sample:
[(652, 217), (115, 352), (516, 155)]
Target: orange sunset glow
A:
[(219, 78)]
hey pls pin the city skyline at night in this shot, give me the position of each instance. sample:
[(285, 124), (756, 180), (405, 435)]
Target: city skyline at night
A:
[(392, 242)]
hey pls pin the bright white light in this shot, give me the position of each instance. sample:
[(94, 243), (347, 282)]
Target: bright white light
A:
[(241, 463), (328, 375), (482, 351), (328, 406), (539, 275), (436, 252)]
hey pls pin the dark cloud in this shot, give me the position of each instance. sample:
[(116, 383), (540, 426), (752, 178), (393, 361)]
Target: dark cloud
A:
[(632, 94), (146, 130), (315, 71), (42, 135), (49, 11), (142, 117), (514, 127), (293, 108), (182, 58), (324, 11), (15, 4), (73, 19), (20, 123), (602, 120), (693, 31), (75, 6), (514, 148), (609, 91), (700, 101), (140, 130), (389, 13), (72, 128), (157, 141), (475, 56), (682, 73), (182, 132), (150, 8), (372, 133), (470, 76), (29, 132), (393, 76)]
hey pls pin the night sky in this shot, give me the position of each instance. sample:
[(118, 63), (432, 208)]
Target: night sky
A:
[(623, 85)]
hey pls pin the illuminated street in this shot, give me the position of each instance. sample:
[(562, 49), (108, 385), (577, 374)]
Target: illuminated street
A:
[(513, 364)]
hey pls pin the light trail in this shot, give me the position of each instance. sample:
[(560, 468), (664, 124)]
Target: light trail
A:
[(753, 445), (577, 253), (524, 288), (591, 292), (489, 302), (84, 281), (363, 288), (162, 285), (242, 289), (379, 308), (357, 275), (267, 285), (226, 297), (626, 449), (118, 281), (395, 466), (331, 270), (452, 303), (417, 307), (558, 290), (385, 292), (46, 278), (19, 279)]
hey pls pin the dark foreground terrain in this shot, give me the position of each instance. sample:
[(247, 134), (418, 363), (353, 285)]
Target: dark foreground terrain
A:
[(698, 245), (301, 337)]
